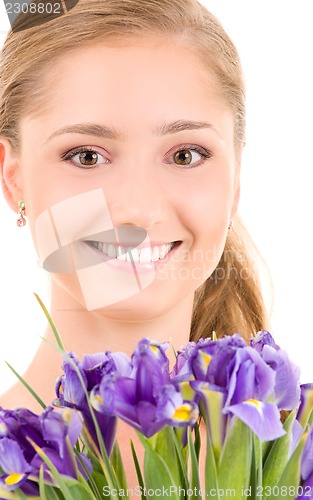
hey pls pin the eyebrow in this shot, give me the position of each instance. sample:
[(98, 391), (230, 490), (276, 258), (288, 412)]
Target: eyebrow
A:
[(87, 129), (180, 126), (105, 132)]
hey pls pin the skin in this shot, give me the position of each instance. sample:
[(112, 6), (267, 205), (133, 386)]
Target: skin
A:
[(135, 90)]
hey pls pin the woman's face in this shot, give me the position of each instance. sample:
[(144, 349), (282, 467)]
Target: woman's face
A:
[(130, 176)]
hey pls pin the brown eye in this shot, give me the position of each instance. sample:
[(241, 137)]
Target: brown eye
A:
[(183, 157), (88, 158), (188, 156), (85, 157)]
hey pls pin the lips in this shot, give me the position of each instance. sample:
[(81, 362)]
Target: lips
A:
[(137, 254)]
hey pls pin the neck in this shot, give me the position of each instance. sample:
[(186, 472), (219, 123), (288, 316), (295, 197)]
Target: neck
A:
[(92, 331), (85, 332)]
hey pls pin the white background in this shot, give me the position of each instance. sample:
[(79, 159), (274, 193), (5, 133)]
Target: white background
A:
[(275, 41)]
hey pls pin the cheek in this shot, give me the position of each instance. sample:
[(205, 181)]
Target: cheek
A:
[(208, 206), (207, 217)]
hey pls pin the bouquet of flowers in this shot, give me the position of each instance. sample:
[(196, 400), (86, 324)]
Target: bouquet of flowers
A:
[(210, 427)]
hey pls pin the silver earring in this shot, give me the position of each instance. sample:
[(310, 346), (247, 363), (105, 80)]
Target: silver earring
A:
[(231, 224)]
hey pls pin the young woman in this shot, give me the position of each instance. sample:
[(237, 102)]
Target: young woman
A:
[(122, 124)]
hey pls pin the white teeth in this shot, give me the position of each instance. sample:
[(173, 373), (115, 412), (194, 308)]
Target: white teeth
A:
[(136, 255), (163, 251), (121, 253), (145, 255), (155, 254), (110, 250), (133, 254)]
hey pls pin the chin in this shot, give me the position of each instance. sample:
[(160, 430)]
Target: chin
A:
[(140, 308)]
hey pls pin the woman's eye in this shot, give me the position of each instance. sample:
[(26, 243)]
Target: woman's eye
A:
[(85, 157), (189, 156)]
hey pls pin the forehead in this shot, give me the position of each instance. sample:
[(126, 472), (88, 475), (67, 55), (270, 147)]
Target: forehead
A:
[(147, 79)]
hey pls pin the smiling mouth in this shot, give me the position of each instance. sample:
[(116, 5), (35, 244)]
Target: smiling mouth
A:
[(139, 255)]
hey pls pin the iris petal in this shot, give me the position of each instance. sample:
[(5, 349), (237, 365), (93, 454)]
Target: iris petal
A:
[(262, 418)]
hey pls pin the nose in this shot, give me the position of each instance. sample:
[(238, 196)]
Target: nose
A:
[(138, 198)]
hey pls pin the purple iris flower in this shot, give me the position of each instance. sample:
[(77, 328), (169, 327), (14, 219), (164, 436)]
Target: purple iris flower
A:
[(287, 386), (143, 397), (262, 418), (249, 377), (182, 370), (238, 371), (307, 457), (306, 404), (307, 489), (70, 391), (22, 425), (12, 461), (57, 426), (307, 468), (174, 410), (230, 366), (261, 339), (53, 432), (210, 359)]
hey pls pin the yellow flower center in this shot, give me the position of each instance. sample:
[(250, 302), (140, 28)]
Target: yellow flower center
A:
[(254, 402), (182, 413), (206, 359), (67, 415), (13, 478), (154, 349)]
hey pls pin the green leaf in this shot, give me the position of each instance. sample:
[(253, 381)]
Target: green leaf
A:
[(256, 477), (50, 493), (278, 456), (33, 393), (101, 455), (60, 345), (101, 482), (80, 491), (182, 457), (138, 470), (235, 461), (211, 483), (195, 479), (104, 487), (58, 478), (91, 481), (291, 475), (52, 325), (47, 491), (101, 458), (158, 478), (212, 412), (118, 466), (198, 438), (10, 495), (164, 445), (42, 488)]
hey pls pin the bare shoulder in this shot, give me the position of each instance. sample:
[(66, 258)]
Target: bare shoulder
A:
[(41, 376), (18, 396)]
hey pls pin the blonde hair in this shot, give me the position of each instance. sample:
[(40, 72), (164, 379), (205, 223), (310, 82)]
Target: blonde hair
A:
[(230, 299)]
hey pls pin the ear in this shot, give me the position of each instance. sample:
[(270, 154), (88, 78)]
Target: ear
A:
[(10, 173)]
